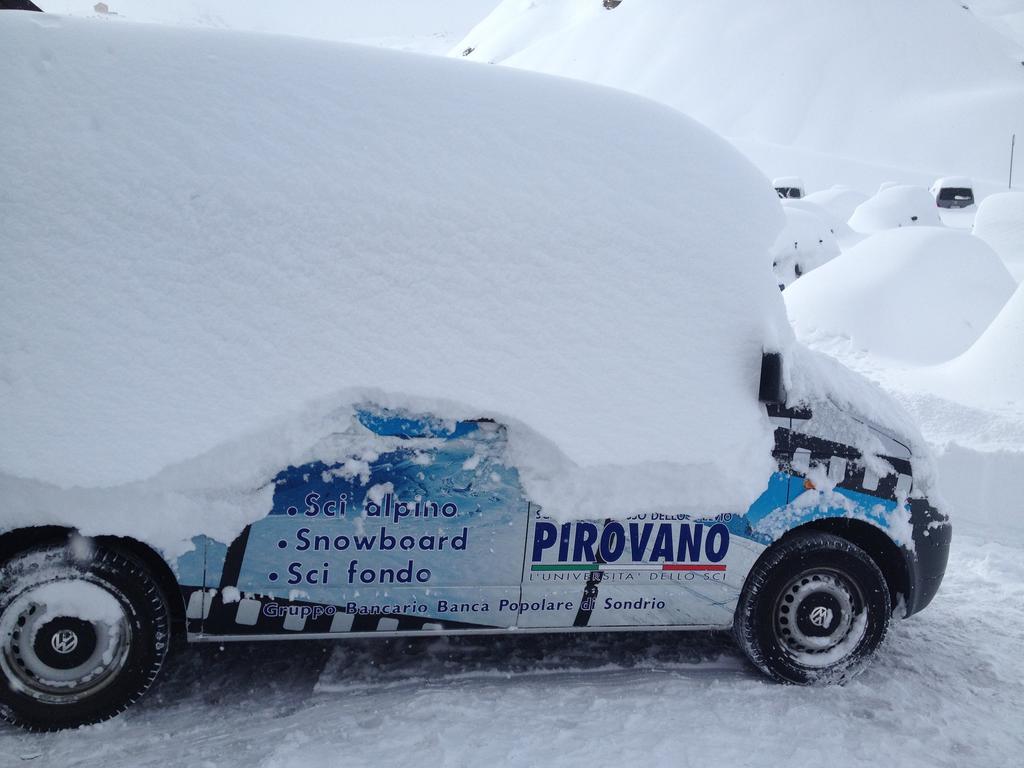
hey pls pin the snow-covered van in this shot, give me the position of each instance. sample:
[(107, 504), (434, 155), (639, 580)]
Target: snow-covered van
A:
[(953, 192), (436, 535), (789, 187), (410, 347)]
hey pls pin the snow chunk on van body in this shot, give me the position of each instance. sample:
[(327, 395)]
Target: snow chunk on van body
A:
[(210, 230)]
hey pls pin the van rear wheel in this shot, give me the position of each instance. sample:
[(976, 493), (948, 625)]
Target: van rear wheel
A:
[(83, 633), (814, 609)]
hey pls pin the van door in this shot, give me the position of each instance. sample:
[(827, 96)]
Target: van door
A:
[(648, 570), (423, 529)]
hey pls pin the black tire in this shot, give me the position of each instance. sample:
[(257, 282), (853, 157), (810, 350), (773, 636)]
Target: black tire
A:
[(814, 609), (84, 631)]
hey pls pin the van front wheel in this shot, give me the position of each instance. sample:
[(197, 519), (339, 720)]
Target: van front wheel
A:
[(814, 609)]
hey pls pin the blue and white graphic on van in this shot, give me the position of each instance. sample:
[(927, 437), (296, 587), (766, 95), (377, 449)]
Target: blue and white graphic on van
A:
[(437, 533)]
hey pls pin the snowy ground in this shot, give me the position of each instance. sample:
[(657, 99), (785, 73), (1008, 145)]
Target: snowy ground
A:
[(945, 690)]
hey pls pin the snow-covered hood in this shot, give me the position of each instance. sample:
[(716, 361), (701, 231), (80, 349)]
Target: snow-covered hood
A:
[(850, 409)]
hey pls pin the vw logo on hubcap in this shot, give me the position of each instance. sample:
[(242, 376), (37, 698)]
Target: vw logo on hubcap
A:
[(64, 641), (821, 616)]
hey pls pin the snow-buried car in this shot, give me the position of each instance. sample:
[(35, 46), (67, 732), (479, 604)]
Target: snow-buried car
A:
[(412, 346)]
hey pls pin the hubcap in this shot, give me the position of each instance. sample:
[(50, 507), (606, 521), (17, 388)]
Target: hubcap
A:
[(819, 617), (54, 656), (65, 642)]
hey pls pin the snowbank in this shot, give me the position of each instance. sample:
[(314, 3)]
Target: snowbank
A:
[(203, 232), (920, 295), (1000, 223), (991, 372), (917, 84), (984, 489), (899, 205)]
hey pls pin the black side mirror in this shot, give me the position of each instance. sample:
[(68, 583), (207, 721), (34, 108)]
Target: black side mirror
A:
[(771, 390)]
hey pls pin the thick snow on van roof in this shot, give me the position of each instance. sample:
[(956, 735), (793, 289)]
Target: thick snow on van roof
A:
[(201, 232)]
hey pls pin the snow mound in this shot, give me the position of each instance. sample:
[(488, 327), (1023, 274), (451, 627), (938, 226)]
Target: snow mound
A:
[(202, 232), (900, 205), (920, 295), (840, 201), (805, 243), (991, 372), (803, 73), (1000, 223)]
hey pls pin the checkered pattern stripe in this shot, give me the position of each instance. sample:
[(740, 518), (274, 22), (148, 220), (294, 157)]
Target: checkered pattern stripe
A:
[(248, 616)]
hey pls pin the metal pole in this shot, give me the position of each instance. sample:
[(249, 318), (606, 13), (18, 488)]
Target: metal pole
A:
[(1013, 142)]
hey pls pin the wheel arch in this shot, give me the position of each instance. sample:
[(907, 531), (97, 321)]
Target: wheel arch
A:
[(887, 554), (18, 540)]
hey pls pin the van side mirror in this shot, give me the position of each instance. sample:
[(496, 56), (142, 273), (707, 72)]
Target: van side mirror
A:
[(771, 390)]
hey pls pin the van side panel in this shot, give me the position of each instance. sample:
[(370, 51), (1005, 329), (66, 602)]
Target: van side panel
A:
[(430, 530)]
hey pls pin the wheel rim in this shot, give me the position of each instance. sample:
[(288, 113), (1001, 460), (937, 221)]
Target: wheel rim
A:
[(819, 617), (60, 650)]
